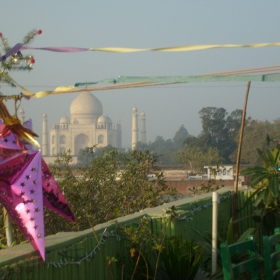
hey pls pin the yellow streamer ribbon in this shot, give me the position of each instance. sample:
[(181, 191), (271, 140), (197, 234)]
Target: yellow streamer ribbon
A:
[(39, 94), (184, 48)]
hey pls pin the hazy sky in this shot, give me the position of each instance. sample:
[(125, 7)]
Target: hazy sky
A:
[(146, 24)]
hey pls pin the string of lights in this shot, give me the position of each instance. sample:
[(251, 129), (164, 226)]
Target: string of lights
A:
[(176, 85), (202, 207), (105, 234), (67, 260)]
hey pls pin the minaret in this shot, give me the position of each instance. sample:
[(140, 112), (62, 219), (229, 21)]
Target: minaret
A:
[(143, 128), (45, 145), (21, 116), (119, 134), (134, 128)]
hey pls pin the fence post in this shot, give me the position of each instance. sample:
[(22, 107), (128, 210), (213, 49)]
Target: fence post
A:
[(215, 200)]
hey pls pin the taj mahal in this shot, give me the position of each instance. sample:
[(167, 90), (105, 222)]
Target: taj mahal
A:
[(86, 127)]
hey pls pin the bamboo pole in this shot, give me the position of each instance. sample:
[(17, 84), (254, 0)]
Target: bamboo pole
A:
[(235, 195)]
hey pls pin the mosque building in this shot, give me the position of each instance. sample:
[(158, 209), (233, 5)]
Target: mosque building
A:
[(86, 127)]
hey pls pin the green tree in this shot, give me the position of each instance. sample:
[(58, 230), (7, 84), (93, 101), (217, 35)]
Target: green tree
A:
[(191, 141), (112, 185), (86, 155), (214, 124), (234, 122), (233, 128), (180, 136), (220, 130), (195, 158), (276, 135), (255, 133), (212, 157), (191, 157), (164, 149)]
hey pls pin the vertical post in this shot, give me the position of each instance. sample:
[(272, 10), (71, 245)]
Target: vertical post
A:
[(8, 227), (215, 201), (235, 196)]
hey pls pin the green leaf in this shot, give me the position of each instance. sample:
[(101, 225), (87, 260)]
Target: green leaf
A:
[(276, 153), (251, 199), (270, 156), (244, 218), (263, 157), (274, 185), (257, 178), (268, 197), (252, 170), (245, 235), (259, 199), (230, 235)]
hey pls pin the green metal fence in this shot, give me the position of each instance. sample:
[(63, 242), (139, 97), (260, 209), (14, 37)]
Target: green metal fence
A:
[(84, 255)]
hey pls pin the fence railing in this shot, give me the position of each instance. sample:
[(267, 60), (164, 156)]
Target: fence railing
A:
[(82, 255)]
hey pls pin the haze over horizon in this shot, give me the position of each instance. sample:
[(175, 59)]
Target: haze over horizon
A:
[(146, 25)]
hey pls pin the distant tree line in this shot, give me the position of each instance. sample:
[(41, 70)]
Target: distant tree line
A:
[(216, 144), (218, 141)]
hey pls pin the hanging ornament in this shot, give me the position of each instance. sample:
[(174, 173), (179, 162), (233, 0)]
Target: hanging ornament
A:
[(13, 125), (26, 186), (26, 183), (31, 59), (15, 59)]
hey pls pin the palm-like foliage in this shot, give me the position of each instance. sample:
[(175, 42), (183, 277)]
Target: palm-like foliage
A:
[(181, 258), (265, 180), (265, 183)]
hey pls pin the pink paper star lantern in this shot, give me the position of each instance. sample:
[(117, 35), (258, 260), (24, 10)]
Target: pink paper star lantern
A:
[(26, 187)]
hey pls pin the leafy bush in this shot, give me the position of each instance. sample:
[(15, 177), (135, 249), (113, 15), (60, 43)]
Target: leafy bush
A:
[(158, 256), (265, 184), (112, 185), (181, 258)]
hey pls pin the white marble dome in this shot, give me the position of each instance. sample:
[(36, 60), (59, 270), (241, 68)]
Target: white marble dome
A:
[(102, 119), (64, 120), (85, 108)]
